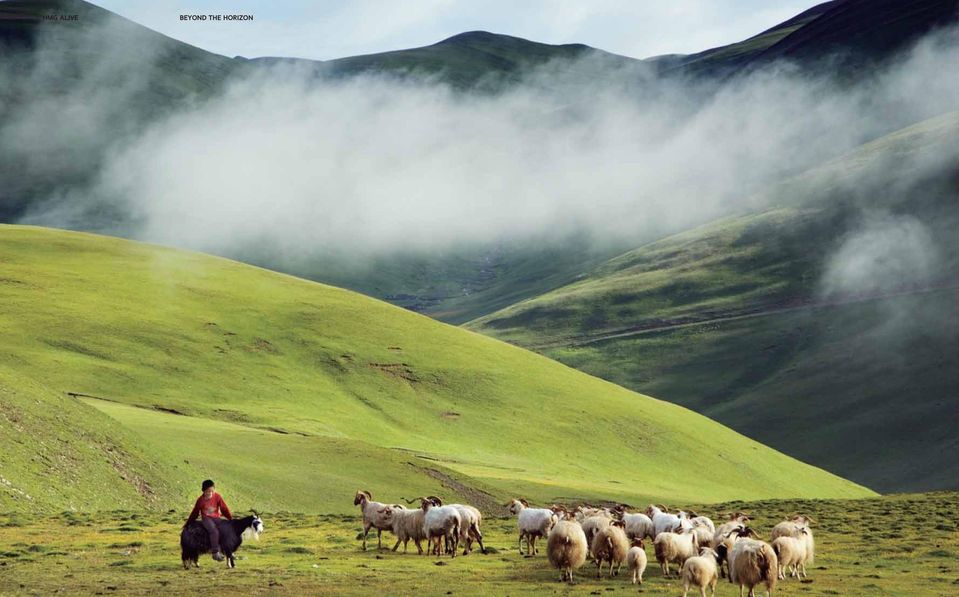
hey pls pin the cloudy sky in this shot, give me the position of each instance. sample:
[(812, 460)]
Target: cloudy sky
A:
[(323, 29)]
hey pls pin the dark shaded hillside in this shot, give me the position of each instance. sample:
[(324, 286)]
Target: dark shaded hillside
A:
[(747, 320), (844, 36), (69, 90), (863, 31)]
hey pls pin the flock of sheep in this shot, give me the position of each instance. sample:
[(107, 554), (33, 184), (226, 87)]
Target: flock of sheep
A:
[(611, 537)]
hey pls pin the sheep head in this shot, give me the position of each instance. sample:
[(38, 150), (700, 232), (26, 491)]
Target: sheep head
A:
[(362, 496), (638, 542)]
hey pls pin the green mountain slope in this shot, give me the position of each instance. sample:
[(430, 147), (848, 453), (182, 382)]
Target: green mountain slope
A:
[(225, 344), (61, 454), (731, 319)]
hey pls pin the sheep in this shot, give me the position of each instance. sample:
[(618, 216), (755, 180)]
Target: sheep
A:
[(638, 525), (792, 554), (408, 524), (675, 546), (663, 521), (798, 528), (609, 544), (702, 522), (704, 536), (566, 548), (753, 562), (636, 560), (374, 516), (701, 571), (736, 520), (533, 523), (470, 519), (441, 524), (583, 512), (194, 539), (791, 527), (593, 525)]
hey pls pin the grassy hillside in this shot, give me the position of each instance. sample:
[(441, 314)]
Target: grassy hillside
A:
[(226, 343), (61, 454), (730, 319), (858, 554)]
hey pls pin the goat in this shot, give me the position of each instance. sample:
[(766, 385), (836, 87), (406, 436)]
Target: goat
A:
[(194, 539)]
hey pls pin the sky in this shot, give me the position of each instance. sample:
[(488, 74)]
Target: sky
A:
[(325, 29)]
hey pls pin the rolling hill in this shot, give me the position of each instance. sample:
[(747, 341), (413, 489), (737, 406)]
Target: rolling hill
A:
[(737, 319), (294, 394)]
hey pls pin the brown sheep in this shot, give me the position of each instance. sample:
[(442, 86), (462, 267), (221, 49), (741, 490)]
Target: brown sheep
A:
[(610, 544), (753, 562), (566, 547)]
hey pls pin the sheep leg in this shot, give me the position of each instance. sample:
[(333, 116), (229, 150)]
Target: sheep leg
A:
[(479, 539), (366, 531), (685, 588), (702, 591), (611, 568), (379, 538), (419, 548)]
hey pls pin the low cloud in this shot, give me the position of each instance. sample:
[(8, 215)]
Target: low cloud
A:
[(371, 165)]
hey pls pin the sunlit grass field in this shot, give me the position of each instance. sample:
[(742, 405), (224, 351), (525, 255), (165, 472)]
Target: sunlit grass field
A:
[(896, 545)]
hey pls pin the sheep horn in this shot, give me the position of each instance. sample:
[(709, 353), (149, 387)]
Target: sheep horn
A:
[(255, 513)]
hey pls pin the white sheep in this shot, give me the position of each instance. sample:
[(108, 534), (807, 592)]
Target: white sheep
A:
[(533, 523), (441, 524), (638, 525), (566, 547), (609, 545), (792, 554), (408, 524), (636, 560), (702, 522), (663, 521), (700, 571), (798, 528), (470, 519), (675, 547), (753, 562), (375, 515)]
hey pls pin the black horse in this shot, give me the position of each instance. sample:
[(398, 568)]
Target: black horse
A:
[(195, 541)]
